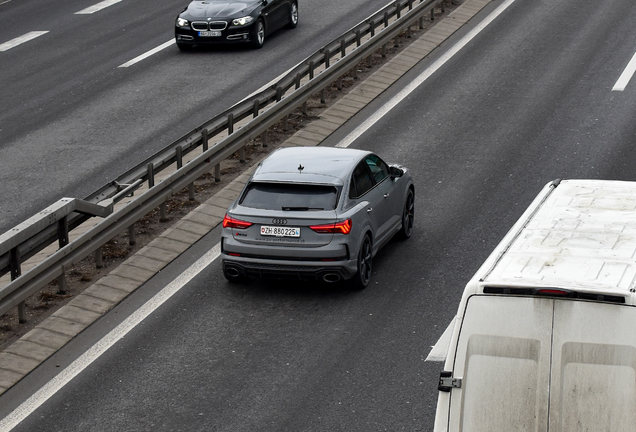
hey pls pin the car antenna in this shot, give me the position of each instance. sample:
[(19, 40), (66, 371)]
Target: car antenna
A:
[(301, 168)]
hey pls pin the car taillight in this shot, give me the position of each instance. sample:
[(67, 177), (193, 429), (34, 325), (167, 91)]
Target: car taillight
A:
[(343, 227), (230, 222)]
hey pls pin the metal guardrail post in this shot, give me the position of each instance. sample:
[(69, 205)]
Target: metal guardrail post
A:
[(61, 282), (204, 139), (14, 264), (62, 231), (132, 238), (99, 258), (163, 214), (151, 175), (179, 156), (16, 271), (22, 316), (256, 107)]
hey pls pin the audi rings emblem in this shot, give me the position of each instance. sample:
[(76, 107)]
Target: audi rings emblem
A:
[(279, 221)]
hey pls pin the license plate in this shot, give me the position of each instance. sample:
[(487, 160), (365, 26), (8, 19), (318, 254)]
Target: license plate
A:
[(209, 33), (280, 231)]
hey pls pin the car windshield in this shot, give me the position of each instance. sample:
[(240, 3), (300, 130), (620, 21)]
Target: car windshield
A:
[(290, 197)]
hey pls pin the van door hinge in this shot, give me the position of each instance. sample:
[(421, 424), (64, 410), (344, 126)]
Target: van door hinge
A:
[(447, 382)]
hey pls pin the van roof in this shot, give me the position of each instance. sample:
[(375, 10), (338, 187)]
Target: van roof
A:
[(577, 235)]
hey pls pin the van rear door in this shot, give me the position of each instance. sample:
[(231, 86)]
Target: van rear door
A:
[(593, 384), (503, 358)]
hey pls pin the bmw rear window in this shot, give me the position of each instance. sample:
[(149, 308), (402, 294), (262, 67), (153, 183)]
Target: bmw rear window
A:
[(290, 197)]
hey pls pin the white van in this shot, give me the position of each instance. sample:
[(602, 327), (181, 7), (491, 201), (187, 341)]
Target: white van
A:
[(545, 335)]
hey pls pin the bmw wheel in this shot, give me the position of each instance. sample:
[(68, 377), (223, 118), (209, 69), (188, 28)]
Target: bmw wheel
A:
[(408, 215), (365, 264), (258, 35), (293, 16)]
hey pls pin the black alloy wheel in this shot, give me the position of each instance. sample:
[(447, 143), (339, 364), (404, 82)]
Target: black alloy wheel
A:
[(408, 215), (365, 264)]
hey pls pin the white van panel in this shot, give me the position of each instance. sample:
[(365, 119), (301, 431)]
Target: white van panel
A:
[(503, 358), (593, 368)]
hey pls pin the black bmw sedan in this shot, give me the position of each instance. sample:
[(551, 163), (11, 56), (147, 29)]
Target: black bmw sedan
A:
[(233, 21)]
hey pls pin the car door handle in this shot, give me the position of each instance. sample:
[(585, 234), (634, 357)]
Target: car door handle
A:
[(369, 210), (386, 195)]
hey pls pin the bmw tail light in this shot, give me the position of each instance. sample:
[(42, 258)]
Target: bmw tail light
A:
[(230, 222), (343, 227)]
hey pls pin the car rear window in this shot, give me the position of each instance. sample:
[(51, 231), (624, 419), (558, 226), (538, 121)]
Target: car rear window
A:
[(291, 197)]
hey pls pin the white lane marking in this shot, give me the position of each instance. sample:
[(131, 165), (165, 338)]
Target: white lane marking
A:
[(385, 109), (148, 54), (627, 75), (440, 349), (93, 353), (97, 7), (22, 39)]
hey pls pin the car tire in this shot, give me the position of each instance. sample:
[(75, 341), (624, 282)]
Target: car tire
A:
[(408, 215), (293, 16), (258, 34), (365, 264)]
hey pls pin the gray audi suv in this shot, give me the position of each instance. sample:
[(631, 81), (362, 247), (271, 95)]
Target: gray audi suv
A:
[(316, 213)]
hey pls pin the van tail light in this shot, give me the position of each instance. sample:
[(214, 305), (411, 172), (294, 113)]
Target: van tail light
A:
[(343, 227), (553, 292), (230, 222)]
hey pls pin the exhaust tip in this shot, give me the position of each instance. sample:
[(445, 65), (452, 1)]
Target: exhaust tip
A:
[(331, 277), (232, 272)]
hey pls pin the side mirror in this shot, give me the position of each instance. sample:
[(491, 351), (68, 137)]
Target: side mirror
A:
[(395, 172), (264, 2)]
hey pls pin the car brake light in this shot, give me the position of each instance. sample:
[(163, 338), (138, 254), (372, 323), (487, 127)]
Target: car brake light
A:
[(553, 292), (230, 222), (343, 227)]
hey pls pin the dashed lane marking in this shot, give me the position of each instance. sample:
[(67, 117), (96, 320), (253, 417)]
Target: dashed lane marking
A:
[(148, 54), (97, 7), (626, 76), (22, 39)]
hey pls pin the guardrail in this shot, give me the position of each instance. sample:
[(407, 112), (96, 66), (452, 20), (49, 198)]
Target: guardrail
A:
[(258, 113)]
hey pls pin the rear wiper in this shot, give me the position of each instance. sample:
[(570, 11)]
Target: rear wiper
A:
[(301, 208)]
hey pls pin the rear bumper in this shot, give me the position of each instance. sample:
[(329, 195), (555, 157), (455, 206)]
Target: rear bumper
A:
[(329, 262), (327, 271)]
